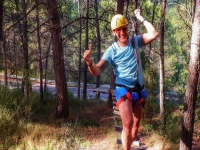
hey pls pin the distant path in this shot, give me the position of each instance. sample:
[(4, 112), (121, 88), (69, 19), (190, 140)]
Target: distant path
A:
[(72, 86)]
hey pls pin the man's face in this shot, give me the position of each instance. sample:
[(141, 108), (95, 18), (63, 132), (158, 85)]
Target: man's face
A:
[(121, 34)]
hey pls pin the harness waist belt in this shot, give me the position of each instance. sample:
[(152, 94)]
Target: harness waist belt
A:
[(136, 89)]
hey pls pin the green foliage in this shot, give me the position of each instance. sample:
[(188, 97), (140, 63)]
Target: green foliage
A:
[(35, 108), (9, 117), (173, 129), (9, 127), (197, 111), (197, 116), (147, 10), (89, 122), (14, 110), (198, 95), (106, 75), (148, 128), (176, 51), (68, 9), (151, 105), (76, 107), (71, 134), (173, 123), (10, 99)]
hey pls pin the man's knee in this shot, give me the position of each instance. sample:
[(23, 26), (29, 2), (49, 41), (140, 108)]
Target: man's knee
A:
[(128, 124)]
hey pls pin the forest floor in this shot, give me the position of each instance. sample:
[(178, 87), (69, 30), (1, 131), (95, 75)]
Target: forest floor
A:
[(90, 128), (152, 141), (96, 132)]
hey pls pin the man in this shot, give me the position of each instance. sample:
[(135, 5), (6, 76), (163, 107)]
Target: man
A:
[(124, 56)]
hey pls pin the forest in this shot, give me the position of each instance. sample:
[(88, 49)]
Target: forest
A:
[(46, 39)]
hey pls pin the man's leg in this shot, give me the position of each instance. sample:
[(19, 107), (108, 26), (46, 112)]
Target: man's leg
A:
[(125, 110), (137, 115)]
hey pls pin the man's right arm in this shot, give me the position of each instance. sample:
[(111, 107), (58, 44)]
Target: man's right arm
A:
[(97, 69)]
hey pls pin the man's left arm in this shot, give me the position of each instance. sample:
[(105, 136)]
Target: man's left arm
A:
[(151, 31), (150, 35)]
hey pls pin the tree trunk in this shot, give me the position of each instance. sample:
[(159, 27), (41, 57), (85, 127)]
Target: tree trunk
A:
[(46, 67), (39, 50), (86, 47), (20, 31), (192, 82), (2, 43), (162, 68), (79, 52), (26, 75), (62, 109), (120, 6), (98, 43), (16, 54), (1, 22)]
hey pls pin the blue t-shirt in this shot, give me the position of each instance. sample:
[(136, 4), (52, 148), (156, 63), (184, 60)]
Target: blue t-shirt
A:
[(124, 62)]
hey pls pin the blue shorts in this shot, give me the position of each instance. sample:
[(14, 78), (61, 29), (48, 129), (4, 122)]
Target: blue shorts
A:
[(119, 92), (133, 97)]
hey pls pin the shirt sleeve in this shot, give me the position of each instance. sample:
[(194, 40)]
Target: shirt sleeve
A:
[(138, 41), (108, 54)]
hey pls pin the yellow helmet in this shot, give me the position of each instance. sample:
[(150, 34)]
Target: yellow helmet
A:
[(118, 21)]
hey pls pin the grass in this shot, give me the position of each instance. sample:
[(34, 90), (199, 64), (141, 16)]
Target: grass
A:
[(90, 125)]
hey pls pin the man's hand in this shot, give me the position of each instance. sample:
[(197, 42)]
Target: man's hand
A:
[(87, 55), (137, 14)]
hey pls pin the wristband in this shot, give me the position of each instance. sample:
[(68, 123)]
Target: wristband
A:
[(90, 64), (143, 20)]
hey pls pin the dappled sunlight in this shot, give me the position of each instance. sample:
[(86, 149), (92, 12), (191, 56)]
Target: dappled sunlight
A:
[(90, 126), (156, 142), (42, 137)]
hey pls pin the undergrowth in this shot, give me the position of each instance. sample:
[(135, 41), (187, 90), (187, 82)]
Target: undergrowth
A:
[(32, 125)]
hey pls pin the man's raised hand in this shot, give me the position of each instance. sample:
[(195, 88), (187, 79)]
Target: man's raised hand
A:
[(90, 49), (87, 55)]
